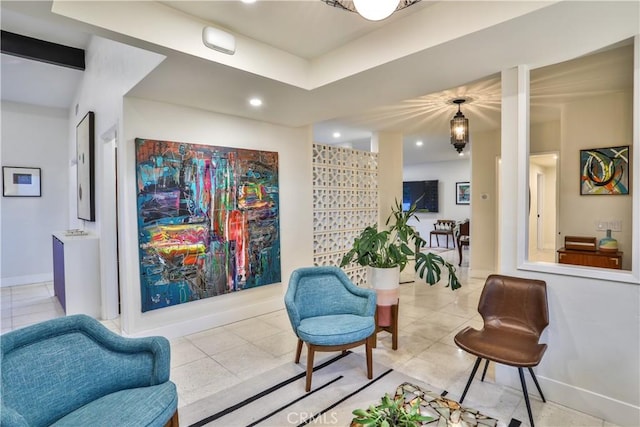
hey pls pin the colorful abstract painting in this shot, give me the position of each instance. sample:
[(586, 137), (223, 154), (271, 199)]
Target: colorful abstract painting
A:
[(604, 170), (208, 221)]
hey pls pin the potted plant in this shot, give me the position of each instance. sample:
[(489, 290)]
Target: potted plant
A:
[(390, 412), (392, 249)]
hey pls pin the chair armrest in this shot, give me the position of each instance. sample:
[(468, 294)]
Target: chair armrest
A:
[(292, 310), (369, 308)]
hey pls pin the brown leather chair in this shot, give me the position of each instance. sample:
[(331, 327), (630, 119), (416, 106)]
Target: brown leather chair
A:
[(515, 313)]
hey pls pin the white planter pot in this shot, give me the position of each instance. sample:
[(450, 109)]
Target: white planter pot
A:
[(386, 282), (383, 278)]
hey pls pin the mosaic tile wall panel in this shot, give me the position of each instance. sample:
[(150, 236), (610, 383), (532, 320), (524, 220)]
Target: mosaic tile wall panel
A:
[(345, 200)]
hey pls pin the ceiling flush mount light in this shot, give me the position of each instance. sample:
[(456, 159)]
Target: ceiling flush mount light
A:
[(419, 143), (219, 40), (459, 128), (337, 135), (373, 10), (256, 102)]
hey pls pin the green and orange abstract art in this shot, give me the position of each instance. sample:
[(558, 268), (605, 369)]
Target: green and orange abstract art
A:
[(208, 221), (604, 170)]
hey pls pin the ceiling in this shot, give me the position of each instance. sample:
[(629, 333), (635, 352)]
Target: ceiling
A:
[(397, 96)]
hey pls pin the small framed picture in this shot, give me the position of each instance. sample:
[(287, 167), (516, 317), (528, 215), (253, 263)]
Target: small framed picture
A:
[(463, 193), (20, 182), (604, 171)]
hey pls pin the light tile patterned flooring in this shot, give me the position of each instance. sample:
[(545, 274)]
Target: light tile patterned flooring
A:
[(216, 359)]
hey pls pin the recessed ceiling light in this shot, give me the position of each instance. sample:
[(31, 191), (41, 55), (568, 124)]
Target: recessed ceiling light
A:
[(419, 143), (256, 102), (248, 1), (336, 135)]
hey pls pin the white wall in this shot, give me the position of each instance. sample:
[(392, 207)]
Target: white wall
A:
[(153, 120), (388, 145), (484, 204), (447, 174), (36, 137)]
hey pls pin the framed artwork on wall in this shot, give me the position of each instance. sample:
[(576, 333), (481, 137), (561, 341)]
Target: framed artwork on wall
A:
[(463, 193), (85, 150), (21, 182), (208, 221), (604, 171)]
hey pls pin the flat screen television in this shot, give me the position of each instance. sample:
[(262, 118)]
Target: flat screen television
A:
[(413, 190)]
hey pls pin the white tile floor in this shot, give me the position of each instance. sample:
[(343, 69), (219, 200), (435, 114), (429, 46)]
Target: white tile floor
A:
[(213, 360)]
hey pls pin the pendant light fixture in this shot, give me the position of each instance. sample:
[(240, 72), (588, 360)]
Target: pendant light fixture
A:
[(373, 10), (459, 128)]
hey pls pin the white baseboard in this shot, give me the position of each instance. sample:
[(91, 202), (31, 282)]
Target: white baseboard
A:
[(595, 404), (192, 326), (26, 280), (600, 406)]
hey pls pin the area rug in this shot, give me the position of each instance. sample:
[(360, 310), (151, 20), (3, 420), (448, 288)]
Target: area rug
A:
[(340, 385)]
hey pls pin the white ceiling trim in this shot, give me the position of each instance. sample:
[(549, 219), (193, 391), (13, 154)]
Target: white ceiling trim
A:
[(431, 26), (172, 29)]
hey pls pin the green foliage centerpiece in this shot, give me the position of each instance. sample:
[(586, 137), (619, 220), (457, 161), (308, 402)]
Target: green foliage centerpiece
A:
[(390, 413)]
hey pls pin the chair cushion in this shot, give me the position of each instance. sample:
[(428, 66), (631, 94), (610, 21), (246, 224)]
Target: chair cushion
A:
[(509, 348), (335, 329), (144, 406)]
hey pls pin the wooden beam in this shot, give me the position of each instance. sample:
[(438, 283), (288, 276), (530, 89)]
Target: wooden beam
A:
[(40, 50)]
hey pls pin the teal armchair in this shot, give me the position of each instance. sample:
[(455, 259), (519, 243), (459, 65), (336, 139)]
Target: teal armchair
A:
[(329, 313), (73, 371)]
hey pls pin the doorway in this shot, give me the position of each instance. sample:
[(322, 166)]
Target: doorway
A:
[(109, 228), (543, 206)]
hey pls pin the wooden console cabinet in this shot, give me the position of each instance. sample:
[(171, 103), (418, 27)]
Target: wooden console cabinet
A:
[(76, 274), (590, 259)]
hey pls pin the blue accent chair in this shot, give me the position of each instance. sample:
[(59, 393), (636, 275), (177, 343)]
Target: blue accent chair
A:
[(329, 313), (73, 371)]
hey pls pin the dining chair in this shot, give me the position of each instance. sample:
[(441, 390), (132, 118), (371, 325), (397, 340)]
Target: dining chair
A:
[(462, 238), (515, 313)]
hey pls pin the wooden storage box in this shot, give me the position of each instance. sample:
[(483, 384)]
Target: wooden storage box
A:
[(577, 243)]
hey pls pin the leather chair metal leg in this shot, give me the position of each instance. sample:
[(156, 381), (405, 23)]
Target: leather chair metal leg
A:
[(484, 372), (473, 373), (526, 396), (535, 380)]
